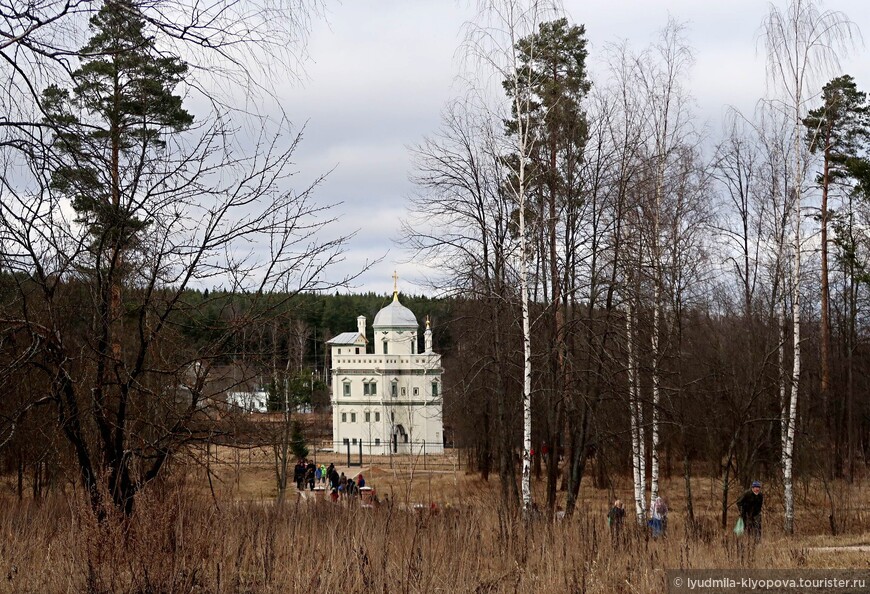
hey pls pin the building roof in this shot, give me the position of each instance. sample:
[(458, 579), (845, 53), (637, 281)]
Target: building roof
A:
[(348, 338), (395, 315)]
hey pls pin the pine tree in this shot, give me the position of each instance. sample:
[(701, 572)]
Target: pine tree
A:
[(113, 121), (552, 73), (111, 130), (840, 130)]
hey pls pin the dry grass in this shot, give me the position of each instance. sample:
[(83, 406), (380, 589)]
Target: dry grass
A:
[(183, 540)]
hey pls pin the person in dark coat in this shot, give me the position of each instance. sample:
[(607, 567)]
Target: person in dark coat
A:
[(309, 475), (615, 519), (749, 505), (299, 474), (332, 476)]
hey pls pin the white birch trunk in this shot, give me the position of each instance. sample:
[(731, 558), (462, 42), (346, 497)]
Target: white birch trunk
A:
[(654, 429), (527, 355), (662, 132), (791, 419), (641, 446), (523, 148), (637, 453), (783, 378)]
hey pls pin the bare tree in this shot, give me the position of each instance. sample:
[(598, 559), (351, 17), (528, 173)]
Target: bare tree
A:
[(461, 222), (114, 227), (803, 43)]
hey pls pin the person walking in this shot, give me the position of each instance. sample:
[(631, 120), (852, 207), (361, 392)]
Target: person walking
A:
[(749, 505), (331, 476), (309, 475), (299, 474)]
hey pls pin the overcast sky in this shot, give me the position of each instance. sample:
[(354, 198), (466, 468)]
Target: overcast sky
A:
[(381, 71)]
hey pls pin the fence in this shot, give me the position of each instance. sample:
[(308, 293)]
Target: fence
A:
[(421, 455)]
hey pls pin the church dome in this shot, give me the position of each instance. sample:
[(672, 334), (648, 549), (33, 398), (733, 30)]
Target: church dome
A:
[(395, 315)]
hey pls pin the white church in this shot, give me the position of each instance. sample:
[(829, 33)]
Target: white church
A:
[(386, 397)]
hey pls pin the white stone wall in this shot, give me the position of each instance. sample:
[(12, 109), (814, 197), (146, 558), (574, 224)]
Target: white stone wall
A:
[(413, 407)]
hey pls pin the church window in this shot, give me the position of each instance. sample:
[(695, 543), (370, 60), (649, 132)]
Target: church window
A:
[(344, 417), (346, 441), (413, 345), (386, 348), (374, 388), (339, 351), (353, 417), (357, 350), (368, 417), (365, 388), (435, 389), (394, 389), (377, 417), (392, 417), (347, 388), (353, 441), (416, 391), (377, 441), (404, 391)]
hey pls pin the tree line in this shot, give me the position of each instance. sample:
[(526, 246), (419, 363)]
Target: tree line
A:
[(625, 295), (641, 296)]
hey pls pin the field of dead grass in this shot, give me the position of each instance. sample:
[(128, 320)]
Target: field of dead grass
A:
[(185, 537)]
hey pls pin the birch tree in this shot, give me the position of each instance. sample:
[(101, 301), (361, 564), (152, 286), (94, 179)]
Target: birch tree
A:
[(554, 59), (625, 130), (460, 221), (495, 40), (803, 44), (662, 73)]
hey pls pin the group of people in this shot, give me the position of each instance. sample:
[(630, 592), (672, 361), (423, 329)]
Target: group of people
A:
[(749, 506), (307, 474), (658, 522)]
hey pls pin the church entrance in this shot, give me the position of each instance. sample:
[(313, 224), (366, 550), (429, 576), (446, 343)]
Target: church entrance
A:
[(400, 439)]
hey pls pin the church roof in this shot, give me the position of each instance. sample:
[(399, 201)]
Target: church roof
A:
[(395, 315), (347, 338)]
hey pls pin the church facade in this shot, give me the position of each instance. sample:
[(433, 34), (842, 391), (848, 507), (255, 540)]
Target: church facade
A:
[(386, 396)]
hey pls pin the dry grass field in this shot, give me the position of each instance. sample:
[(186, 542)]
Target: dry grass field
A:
[(232, 537)]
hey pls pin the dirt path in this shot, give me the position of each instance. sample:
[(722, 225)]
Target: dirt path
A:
[(842, 549)]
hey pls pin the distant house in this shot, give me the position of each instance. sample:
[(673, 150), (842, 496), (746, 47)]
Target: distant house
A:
[(249, 402), (387, 398)]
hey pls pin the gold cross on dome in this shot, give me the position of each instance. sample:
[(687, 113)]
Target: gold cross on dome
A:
[(395, 285)]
